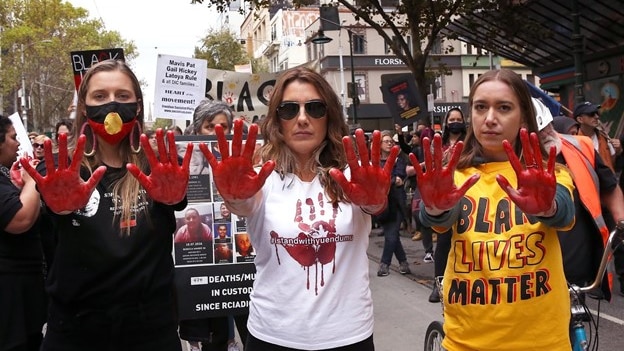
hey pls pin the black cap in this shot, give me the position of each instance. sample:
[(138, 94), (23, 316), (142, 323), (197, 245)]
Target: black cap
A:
[(586, 108), (562, 124)]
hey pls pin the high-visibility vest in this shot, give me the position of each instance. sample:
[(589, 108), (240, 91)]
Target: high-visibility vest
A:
[(579, 154)]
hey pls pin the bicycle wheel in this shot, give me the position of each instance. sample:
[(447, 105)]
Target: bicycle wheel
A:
[(434, 337)]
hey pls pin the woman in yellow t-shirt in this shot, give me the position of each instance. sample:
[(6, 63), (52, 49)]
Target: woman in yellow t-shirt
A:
[(503, 197)]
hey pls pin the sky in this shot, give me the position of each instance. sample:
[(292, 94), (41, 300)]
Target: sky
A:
[(171, 27)]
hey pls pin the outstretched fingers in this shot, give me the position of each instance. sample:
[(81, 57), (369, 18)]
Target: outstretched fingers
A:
[(250, 143), (352, 161), (360, 141), (212, 160)]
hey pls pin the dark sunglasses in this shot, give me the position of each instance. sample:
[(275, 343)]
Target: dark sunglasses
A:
[(37, 145), (290, 109)]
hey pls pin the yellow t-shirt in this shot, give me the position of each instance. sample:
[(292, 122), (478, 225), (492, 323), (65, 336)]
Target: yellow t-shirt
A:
[(504, 286)]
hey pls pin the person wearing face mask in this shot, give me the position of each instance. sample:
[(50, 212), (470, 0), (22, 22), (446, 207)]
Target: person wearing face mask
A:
[(454, 131), (113, 202)]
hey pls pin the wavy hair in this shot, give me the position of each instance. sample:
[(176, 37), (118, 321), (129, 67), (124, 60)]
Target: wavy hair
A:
[(473, 152), (329, 154), (127, 188)]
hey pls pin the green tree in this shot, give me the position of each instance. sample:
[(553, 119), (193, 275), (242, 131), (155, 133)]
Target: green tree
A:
[(47, 30), (222, 50), (422, 22)]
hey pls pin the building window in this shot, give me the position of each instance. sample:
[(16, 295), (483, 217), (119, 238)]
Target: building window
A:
[(358, 44), (395, 39), (436, 48)]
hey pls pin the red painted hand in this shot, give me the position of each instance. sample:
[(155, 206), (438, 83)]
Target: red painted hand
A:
[(536, 186), (234, 175), (16, 175), (436, 184), (62, 189), (369, 182), (168, 180)]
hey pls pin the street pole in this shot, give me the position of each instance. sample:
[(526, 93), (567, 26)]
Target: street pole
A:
[(24, 109), (342, 78), (354, 92)]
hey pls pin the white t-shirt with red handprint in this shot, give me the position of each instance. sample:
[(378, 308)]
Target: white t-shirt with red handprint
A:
[(312, 282)]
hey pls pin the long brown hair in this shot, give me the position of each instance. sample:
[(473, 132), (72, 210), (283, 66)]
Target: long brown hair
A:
[(330, 154), (473, 152), (127, 187)]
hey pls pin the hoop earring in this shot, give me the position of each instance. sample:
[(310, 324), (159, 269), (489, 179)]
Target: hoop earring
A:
[(82, 130), (132, 148)]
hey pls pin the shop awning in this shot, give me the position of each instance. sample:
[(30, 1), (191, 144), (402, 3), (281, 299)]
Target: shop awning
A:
[(601, 24)]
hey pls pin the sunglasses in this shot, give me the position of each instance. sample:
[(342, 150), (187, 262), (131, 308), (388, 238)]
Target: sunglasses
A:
[(37, 145), (290, 109)]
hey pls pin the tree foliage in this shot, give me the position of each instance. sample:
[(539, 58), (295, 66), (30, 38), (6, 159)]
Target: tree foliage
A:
[(222, 50), (47, 30), (422, 21)]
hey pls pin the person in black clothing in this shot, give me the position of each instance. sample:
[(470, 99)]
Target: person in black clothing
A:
[(22, 295), (111, 282)]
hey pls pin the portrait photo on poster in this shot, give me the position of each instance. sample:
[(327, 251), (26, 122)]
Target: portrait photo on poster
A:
[(403, 100), (194, 237)]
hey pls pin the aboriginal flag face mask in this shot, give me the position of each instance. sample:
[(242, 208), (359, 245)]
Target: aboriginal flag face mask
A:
[(112, 121)]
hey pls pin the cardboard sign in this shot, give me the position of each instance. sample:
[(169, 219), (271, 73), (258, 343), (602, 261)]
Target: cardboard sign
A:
[(83, 60), (403, 100)]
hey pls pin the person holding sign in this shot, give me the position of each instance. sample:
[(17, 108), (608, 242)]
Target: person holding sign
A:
[(309, 205), (111, 282), (215, 333)]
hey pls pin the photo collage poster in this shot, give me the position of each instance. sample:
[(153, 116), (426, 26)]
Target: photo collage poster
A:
[(212, 251)]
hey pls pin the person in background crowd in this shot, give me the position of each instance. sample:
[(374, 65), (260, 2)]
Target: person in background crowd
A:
[(583, 245), (393, 215), (500, 187), (454, 131), (31, 136), (587, 115), (151, 137), (176, 130), (22, 295), (217, 333), (311, 185), (111, 281), (37, 145), (63, 126)]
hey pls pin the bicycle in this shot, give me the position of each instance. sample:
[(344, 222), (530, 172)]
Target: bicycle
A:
[(580, 313)]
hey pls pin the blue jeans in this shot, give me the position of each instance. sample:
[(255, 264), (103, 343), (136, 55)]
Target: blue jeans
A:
[(392, 240)]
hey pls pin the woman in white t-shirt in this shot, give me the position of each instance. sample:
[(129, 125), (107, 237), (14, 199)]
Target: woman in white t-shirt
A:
[(308, 224)]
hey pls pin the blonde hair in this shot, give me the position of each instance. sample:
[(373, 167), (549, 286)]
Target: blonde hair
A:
[(126, 188)]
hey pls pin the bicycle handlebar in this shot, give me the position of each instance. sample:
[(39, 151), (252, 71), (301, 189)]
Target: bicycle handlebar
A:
[(608, 251)]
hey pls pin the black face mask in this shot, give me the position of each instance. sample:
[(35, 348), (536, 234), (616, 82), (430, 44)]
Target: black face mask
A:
[(112, 121), (456, 127)]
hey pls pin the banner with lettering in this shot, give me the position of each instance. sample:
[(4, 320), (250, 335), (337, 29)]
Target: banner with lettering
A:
[(212, 249), (403, 100), (180, 86), (83, 60), (247, 93)]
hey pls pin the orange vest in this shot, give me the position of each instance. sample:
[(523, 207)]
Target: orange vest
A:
[(579, 154)]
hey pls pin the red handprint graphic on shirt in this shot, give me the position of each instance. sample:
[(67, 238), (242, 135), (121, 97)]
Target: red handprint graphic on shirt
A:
[(316, 242)]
